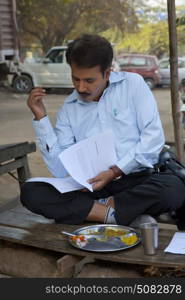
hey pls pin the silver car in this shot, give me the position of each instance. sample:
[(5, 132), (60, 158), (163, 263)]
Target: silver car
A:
[(164, 69)]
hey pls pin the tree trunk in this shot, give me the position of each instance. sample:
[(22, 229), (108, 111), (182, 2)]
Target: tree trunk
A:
[(176, 115)]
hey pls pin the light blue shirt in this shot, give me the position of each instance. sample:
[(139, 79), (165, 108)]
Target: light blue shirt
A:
[(127, 106)]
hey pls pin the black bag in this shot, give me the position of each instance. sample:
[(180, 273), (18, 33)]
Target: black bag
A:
[(168, 161)]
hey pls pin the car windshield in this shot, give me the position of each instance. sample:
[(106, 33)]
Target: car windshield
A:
[(56, 56), (138, 61), (133, 61), (124, 61)]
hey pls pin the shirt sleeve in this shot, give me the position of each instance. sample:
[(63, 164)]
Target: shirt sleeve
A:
[(49, 143), (151, 137)]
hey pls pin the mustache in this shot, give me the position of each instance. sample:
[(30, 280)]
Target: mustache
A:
[(83, 94)]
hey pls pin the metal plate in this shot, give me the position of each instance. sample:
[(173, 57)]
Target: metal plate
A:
[(106, 238)]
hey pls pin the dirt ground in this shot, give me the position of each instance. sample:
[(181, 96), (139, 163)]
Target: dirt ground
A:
[(16, 126)]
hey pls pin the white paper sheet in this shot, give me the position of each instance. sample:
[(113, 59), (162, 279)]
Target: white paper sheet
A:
[(89, 157), (63, 185), (83, 161), (177, 244)]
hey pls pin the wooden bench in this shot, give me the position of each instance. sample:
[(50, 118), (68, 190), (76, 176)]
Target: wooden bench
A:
[(33, 246), (14, 157), (21, 227)]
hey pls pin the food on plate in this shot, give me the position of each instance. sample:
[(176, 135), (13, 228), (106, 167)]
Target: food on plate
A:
[(80, 237), (102, 237), (129, 239), (79, 240), (114, 232)]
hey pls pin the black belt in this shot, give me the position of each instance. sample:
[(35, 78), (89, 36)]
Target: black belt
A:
[(144, 172)]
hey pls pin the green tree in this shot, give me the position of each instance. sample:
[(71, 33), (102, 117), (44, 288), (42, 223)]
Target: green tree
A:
[(181, 31), (52, 22), (150, 39), (47, 22)]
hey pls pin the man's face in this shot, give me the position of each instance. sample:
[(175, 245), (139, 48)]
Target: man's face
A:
[(89, 82)]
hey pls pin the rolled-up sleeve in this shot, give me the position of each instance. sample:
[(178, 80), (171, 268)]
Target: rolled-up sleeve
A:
[(45, 133)]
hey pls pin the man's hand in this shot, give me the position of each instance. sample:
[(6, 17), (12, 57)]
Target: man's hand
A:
[(35, 103), (102, 179)]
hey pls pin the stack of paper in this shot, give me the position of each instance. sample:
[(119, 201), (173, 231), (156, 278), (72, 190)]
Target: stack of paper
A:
[(83, 161), (177, 244)]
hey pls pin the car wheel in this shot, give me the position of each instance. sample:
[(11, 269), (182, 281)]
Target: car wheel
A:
[(150, 83), (22, 84)]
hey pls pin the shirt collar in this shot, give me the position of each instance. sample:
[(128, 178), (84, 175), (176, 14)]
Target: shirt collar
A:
[(114, 77)]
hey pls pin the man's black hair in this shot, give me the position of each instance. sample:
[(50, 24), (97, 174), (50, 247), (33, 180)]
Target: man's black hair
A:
[(89, 51)]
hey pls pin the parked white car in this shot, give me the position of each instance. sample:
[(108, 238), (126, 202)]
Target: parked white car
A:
[(164, 69), (52, 71)]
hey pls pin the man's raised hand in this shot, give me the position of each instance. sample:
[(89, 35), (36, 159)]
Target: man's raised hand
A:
[(35, 102)]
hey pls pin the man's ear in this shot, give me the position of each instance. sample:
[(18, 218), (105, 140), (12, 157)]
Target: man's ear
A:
[(107, 74)]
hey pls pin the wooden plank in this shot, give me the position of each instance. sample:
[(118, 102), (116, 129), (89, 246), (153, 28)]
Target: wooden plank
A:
[(53, 240), (4, 2), (21, 209), (23, 172), (101, 269), (9, 204), (5, 276), (12, 151), (5, 21), (23, 221), (22, 218), (22, 212), (13, 165), (20, 226), (33, 221), (28, 262), (66, 265)]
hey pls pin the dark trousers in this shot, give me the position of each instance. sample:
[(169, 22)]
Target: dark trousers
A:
[(133, 195)]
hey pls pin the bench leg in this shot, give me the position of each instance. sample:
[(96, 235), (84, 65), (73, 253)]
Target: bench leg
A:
[(24, 171)]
